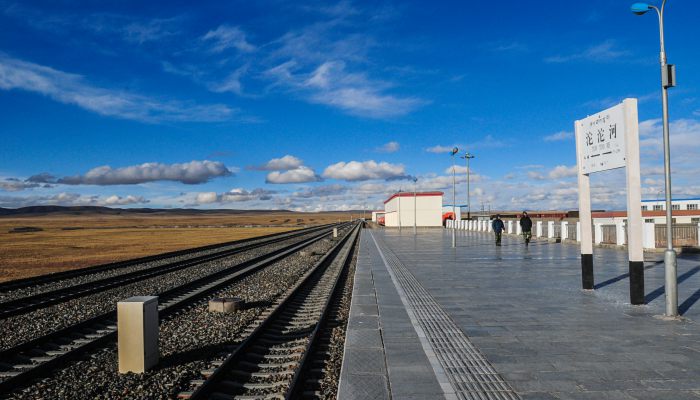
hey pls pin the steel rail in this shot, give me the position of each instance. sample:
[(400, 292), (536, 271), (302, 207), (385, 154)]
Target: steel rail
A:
[(217, 380)]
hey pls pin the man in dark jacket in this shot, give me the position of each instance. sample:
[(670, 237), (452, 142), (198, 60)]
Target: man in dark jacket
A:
[(498, 227), (526, 227)]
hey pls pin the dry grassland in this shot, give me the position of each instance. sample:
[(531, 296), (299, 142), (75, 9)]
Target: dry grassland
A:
[(77, 241)]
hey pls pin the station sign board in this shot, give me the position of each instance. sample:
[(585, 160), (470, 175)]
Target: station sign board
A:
[(601, 140)]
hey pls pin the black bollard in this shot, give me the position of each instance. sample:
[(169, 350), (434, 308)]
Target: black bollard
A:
[(587, 271), (637, 282)]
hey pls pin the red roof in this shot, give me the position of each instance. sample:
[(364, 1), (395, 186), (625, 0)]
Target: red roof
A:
[(410, 194)]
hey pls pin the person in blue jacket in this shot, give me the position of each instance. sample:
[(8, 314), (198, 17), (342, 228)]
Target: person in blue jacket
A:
[(498, 228)]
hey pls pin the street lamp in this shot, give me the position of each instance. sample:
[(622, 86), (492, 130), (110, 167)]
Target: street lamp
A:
[(454, 211), (467, 156), (415, 213), (668, 79)]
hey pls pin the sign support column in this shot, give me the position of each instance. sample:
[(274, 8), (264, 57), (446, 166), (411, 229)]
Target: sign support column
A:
[(634, 203)]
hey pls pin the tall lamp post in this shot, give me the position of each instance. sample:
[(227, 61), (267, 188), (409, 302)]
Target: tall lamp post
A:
[(467, 156), (415, 213), (454, 211), (668, 79)]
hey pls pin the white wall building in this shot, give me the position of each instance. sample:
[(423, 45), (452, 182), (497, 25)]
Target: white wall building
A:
[(692, 204), (377, 214), (399, 209)]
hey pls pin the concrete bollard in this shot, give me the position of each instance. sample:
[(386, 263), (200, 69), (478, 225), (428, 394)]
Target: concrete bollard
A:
[(598, 228), (564, 230), (225, 304), (649, 235), (335, 232), (620, 233), (510, 227), (137, 331), (539, 229), (550, 229), (578, 231), (518, 229)]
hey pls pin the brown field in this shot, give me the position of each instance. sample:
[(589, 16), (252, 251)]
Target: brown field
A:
[(77, 241)]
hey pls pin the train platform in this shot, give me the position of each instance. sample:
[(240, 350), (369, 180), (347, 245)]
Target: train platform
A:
[(429, 321)]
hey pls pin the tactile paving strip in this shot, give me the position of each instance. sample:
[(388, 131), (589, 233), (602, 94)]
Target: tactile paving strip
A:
[(468, 371)]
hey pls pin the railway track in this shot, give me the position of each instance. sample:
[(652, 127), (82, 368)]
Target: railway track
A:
[(30, 303), (276, 361), (35, 358)]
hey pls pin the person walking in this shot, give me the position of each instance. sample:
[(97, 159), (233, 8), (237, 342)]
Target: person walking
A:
[(526, 227), (498, 228)]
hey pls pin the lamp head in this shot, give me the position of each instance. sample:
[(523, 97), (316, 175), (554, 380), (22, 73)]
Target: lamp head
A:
[(455, 151), (640, 8)]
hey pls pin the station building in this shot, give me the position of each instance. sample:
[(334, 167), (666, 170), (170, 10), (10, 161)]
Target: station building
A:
[(685, 211), (399, 209)]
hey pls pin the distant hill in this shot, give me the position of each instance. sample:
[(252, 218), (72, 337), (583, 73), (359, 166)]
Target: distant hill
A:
[(81, 210)]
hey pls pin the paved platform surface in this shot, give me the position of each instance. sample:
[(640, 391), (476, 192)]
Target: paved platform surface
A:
[(484, 322)]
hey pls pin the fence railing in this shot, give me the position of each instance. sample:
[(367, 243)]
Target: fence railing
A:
[(571, 228), (683, 235)]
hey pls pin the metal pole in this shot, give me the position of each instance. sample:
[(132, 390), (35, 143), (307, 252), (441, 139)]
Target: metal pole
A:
[(454, 211), (670, 262), (399, 212), (415, 213), (469, 206)]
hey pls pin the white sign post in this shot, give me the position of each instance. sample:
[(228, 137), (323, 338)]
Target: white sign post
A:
[(605, 141)]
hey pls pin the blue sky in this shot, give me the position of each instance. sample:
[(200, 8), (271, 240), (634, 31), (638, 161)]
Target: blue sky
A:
[(329, 106)]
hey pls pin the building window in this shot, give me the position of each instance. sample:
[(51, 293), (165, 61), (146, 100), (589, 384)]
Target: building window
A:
[(695, 220), (649, 220), (675, 206), (658, 207), (693, 206), (644, 208)]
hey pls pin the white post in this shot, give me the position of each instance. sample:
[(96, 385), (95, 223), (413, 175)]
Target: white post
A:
[(539, 229), (620, 233), (584, 232), (598, 233), (649, 235), (510, 227), (518, 229), (488, 226), (550, 229), (564, 230), (634, 204)]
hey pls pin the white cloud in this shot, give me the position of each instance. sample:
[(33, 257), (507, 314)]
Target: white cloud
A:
[(562, 171), (69, 199), (439, 149), (233, 196), (391, 147), (115, 200), (333, 85), (72, 89), (280, 164), (364, 170), (16, 185), (193, 172), (459, 169), (559, 136), (535, 175), (302, 174), (603, 52), (228, 37)]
